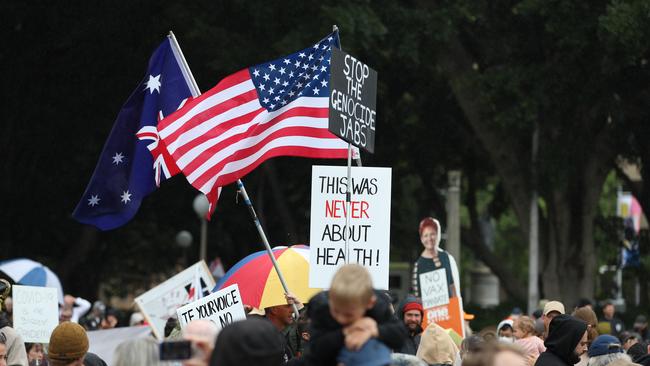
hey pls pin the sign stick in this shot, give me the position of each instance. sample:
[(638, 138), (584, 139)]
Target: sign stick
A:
[(240, 185), (348, 194)]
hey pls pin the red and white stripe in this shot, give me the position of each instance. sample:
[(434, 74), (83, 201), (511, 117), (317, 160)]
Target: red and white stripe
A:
[(225, 133)]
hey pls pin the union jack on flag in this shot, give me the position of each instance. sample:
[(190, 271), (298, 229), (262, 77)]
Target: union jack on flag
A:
[(271, 109)]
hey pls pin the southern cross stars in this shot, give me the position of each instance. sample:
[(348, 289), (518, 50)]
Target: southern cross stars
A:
[(118, 158), (153, 84), (125, 197), (94, 200)]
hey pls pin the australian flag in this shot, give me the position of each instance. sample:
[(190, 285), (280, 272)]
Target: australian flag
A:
[(134, 161)]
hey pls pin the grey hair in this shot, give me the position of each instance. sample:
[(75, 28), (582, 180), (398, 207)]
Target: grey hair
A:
[(142, 351), (605, 360)]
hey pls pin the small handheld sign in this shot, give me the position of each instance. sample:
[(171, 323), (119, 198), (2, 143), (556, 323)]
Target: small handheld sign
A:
[(36, 312), (222, 308), (353, 100)]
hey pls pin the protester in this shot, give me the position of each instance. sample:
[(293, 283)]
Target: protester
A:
[(586, 314), (68, 345), (584, 302), (467, 318), (641, 326), (281, 316), (411, 313), (348, 315), (373, 352), (609, 316), (505, 331), (142, 351), (629, 339), (566, 341), (3, 352), (606, 349), (251, 342), (496, 354), (77, 306), (14, 345), (136, 319), (551, 310), (202, 333), (433, 257), (471, 345), (92, 359), (639, 353), (437, 347), (93, 319), (524, 332), (34, 352), (109, 321)]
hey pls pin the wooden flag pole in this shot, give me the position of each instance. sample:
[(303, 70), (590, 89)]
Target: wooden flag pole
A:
[(240, 185)]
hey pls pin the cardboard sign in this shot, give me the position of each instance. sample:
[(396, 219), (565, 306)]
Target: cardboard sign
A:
[(36, 312), (369, 231), (434, 288), (161, 302), (439, 306), (448, 316), (222, 308), (353, 100)]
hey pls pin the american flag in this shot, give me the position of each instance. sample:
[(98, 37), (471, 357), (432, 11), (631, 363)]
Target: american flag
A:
[(271, 109), (126, 171)]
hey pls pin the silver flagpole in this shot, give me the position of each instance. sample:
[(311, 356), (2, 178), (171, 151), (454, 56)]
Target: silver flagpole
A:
[(240, 185)]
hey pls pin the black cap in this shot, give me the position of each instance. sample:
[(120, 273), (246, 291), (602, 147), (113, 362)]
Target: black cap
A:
[(248, 342)]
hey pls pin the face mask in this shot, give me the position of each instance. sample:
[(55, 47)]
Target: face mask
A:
[(507, 339)]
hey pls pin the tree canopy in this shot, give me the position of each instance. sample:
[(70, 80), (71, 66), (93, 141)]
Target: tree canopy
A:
[(462, 85)]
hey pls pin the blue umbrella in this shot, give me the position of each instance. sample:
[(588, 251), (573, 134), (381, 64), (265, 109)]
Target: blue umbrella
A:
[(27, 272)]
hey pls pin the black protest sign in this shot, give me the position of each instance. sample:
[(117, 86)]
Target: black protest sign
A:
[(353, 100)]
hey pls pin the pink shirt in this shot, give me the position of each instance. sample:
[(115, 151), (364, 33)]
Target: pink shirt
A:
[(531, 345)]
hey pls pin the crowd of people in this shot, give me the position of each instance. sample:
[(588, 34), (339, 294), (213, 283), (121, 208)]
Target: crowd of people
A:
[(350, 324)]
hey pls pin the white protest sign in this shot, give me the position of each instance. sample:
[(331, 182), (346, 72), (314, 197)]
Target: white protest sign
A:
[(160, 303), (36, 312), (434, 288), (369, 231), (222, 308)]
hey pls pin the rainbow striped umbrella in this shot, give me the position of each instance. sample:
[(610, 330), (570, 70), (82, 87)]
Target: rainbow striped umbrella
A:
[(258, 282)]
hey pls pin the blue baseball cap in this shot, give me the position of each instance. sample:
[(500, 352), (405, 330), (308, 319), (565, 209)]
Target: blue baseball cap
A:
[(372, 353), (604, 345)]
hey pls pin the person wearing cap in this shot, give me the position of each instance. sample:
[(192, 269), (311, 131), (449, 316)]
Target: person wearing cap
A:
[(467, 317), (606, 349), (434, 258), (641, 327), (411, 313), (566, 342), (68, 345), (551, 310)]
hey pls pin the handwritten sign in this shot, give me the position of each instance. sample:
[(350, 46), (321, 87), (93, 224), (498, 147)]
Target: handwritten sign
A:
[(222, 308), (160, 303), (368, 233), (353, 100), (36, 312), (435, 291)]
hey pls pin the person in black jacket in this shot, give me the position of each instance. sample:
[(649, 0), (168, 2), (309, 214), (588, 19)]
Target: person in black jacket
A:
[(566, 341), (348, 315)]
